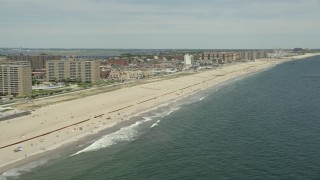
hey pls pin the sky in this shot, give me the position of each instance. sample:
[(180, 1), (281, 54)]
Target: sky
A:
[(160, 24)]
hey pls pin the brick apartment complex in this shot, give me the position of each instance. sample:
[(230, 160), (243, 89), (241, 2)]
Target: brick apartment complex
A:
[(15, 79), (224, 56), (252, 55), (36, 62), (234, 56), (73, 70), (118, 62)]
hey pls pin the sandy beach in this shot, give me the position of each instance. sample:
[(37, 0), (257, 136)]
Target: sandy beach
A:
[(50, 127)]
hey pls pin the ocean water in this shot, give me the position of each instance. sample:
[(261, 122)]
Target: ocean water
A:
[(263, 126)]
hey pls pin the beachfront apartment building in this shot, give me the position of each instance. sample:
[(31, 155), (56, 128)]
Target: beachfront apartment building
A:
[(36, 62), (73, 70), (188, 60), (252, 55), (223, 57), (220, 57), (15, 78)]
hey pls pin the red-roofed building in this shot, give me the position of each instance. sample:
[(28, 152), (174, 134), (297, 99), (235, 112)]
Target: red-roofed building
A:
[(119, 62)]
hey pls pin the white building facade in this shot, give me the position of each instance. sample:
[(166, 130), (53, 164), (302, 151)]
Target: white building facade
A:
[(188, 60)]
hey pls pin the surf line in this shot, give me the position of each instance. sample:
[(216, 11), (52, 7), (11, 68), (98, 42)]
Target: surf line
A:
[(50, 132), (80, 122)]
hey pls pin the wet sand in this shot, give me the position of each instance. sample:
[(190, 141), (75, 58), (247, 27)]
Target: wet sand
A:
[(62, 124)]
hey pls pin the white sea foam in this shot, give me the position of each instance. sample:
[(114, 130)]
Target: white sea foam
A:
[(25, 168), (146, 119), (123, 135), (202, 98), (155, 124), (171, 111)]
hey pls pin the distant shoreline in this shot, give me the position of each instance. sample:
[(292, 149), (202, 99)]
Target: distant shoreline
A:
[(76, 120)]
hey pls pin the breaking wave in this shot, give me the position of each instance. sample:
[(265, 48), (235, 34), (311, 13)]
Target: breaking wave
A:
[(25, 168), (202, 98), (123, 135), (155, 124)]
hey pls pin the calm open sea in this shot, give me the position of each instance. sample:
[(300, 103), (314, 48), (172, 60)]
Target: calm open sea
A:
[(263, 126)]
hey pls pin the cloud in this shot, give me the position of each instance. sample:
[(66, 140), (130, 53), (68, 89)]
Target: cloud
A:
[(78, 18)]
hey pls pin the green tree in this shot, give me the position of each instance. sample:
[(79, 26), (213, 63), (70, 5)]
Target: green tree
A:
[(35, 81)]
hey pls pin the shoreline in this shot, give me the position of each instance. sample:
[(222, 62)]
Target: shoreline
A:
[(119, 110)]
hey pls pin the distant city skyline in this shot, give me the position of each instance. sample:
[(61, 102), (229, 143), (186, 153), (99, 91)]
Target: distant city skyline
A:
[(152, 24)]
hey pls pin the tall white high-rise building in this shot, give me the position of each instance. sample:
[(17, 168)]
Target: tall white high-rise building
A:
[(188, 60)]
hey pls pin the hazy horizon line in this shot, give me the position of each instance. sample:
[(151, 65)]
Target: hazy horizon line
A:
[(75, 48)]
